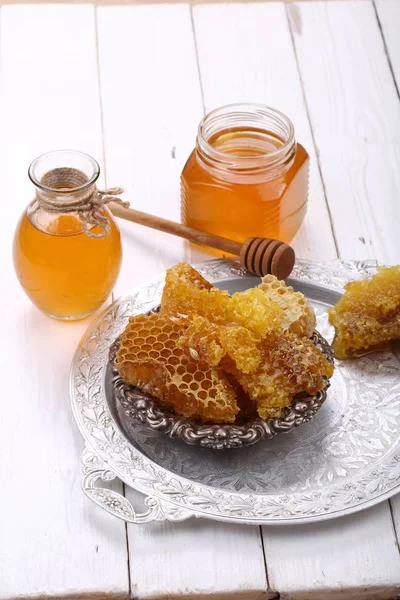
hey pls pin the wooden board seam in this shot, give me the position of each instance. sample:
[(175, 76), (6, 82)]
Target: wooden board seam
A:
[(386, 49)]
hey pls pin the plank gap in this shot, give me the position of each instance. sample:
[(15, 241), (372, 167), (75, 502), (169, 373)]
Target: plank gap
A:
[(96, 33), (385, 47), (196, 50), (396, 537), (128, 557), (265, 559)]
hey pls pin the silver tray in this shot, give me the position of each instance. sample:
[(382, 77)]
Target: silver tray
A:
[(346, 459)]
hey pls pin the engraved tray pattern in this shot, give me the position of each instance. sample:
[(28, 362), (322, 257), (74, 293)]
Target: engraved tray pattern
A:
[(347, 458)]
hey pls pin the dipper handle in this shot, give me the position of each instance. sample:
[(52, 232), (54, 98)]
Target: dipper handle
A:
[(260, 256)]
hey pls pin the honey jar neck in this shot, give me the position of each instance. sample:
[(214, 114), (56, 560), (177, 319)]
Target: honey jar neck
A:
[(246, 143), (63, 179), (66, 190), (65, 182)]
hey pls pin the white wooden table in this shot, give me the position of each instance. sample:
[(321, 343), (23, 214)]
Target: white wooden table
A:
[(129, 84)]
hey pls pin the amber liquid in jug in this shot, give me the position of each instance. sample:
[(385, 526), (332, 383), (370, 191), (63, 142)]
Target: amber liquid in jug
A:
[(246, 180), (65, 272)]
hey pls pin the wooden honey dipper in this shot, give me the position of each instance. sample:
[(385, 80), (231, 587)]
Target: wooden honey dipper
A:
[(258, 255)]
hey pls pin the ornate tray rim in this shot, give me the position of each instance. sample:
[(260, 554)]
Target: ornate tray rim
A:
[(170, 496)]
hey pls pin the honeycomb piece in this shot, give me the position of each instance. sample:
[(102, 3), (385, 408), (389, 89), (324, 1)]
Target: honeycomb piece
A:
[(148, 357), (183, 273), (289, 365), (298, 315), (185, 294), (368, 314), (252, 309), (212, 342), (202, 339)]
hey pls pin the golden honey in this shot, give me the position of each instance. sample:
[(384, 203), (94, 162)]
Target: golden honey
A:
[(247, 175), (65, 272)]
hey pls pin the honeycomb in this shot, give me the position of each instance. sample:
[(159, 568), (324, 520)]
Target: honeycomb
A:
[(368, 314), (213, 356), (186, 292), (186, 295), (253, 310), (212, 342), (149, 358), (298, 316), (290, 365)]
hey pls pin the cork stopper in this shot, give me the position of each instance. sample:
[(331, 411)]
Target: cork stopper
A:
[(264, 256)]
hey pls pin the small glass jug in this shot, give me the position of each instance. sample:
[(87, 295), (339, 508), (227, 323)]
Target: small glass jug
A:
[(67, 246)]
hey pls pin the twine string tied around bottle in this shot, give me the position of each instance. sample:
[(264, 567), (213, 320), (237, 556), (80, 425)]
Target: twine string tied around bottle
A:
[(68, 190)]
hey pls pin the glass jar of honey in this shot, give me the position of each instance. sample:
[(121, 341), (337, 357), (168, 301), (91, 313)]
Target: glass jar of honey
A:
[(67, 246), (247, 176)]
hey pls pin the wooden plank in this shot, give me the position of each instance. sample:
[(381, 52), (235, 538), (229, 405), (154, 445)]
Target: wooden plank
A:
[(389, 17), (53, 542), (351, 557), (355, 115), (150, 121), (197, 560), (262, 69)]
